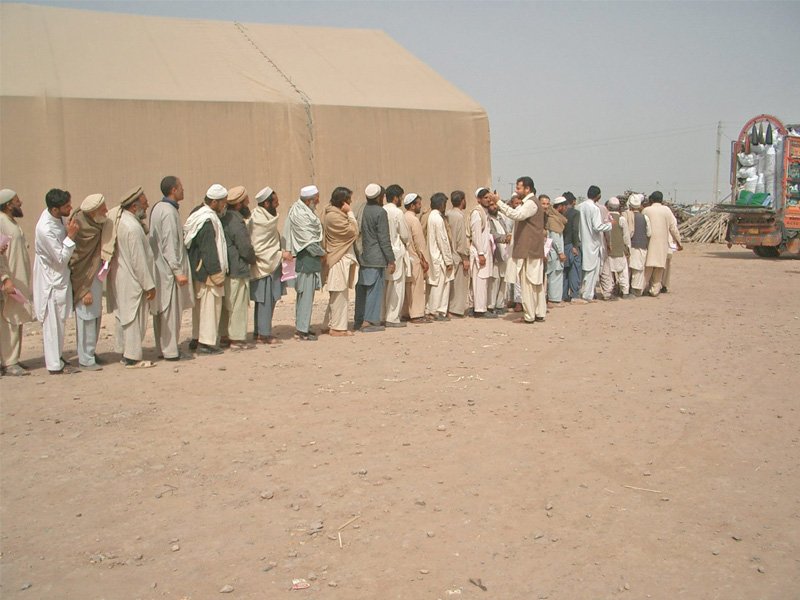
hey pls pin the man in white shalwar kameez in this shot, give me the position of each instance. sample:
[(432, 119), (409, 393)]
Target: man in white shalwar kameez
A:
[(174, 292), (132, 279), (639, 228), (394, 291), (501, 233), (15, 296), (52, 290), (615, 265), (481, 254), (592, 243), (440, 272), (528, 250)]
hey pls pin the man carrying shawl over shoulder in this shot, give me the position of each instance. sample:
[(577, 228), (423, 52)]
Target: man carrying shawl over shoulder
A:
[(266, 287), (341, 265)]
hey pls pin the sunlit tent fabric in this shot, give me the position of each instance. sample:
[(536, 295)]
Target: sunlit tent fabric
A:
[(98, 102)]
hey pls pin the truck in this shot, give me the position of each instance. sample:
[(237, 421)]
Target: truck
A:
[(764, 207)]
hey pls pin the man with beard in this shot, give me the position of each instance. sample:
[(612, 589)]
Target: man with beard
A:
[(502, 238), (341, 265), (414, 304), (235, 304), (615, 265), (555, 225), (15, 295), (173, 288), (377, 258), (441, 266), (132, 280), (208, 258), (639, 227), (459, 286), (303, 234), (395, 287), (87, 288), (529, 250), (52, 290), (481, 254), (265, 274)]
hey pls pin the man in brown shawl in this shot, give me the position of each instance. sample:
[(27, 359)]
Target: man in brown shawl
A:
[(340, 268), (87, 288)]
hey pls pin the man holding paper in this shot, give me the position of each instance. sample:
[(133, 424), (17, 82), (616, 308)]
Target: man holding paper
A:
[(15, 273)]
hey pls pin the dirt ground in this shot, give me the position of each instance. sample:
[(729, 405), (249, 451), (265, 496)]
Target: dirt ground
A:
[(641, 449)]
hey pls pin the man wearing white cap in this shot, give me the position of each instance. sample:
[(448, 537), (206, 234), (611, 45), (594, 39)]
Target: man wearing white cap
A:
[(87, 288), (131, 279), (639, 234), (555, 224), (615, 265), (376, 258), (501, 234), (481, 254), (52, 290), (303, 234), (174, 292), (208, 258), (15, 276), (265, 274), (414, 302), (394, 291), (235, 305)]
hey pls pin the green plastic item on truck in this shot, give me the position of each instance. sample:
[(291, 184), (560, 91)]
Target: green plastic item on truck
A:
[(748, 198)]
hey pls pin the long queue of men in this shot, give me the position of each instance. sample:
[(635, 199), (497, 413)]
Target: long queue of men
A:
[(528, 252)]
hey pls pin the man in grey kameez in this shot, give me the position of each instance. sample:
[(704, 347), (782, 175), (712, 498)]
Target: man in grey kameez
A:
[(173, 289), (303, 234)]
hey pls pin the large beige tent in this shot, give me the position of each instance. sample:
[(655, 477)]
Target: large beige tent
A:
[(101, 102)]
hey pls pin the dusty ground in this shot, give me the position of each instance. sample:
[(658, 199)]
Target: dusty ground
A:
[(468, 449)]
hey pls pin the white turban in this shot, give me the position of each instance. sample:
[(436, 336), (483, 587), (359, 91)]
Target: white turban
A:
[(613, 203), (92, 202), (479, 190), (308, 191), (635, 200), (372, 191), (559, 200), (217, 192), (264, 195), (6, 195)]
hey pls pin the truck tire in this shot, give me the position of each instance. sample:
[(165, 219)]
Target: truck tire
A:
[(767, 251)]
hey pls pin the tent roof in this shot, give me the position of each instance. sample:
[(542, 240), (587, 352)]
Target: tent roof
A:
[(67, 53)]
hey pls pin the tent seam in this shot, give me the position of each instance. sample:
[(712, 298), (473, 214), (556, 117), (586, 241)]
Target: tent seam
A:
[(303, 96)]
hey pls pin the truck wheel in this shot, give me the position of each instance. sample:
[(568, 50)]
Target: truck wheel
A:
[(759, 251), (767, 251)]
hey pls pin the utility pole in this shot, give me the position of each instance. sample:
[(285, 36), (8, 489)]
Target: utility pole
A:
[(716, 171)]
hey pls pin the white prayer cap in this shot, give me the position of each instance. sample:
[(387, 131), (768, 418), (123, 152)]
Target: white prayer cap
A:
[(559, 200), (217, 192), (481, 191), (308, 191), (6, 195), (409, 199), (92, 202), (613, 203), (372, 191), (264, 195), (635, 200)]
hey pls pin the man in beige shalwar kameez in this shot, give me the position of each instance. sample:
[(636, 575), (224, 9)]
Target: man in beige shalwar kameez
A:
[(340, 269), (132, 280), (414, 303), (15, 295), (440, 273), (662, 224), (459, 285)]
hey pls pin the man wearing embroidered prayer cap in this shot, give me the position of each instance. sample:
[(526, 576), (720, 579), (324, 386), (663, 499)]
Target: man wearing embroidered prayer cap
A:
[(15, 275), (639, 229), (376, 258), (303, 234), (87, 288), (414, 304), (266, 287), (615, 265), (131, 279), (174, 293), (52, 289), (208, 258), (235, 304), (394, 290)]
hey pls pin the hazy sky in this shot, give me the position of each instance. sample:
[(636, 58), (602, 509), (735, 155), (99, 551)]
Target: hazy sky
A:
[(618, 94)]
